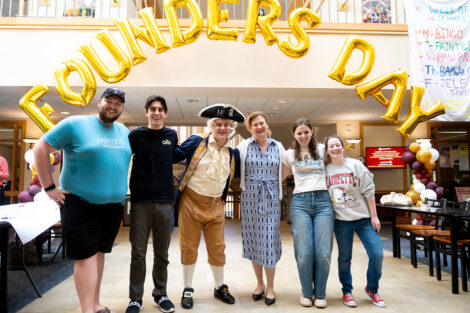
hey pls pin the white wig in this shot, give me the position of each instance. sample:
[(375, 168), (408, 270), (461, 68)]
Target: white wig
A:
[(210, 123)]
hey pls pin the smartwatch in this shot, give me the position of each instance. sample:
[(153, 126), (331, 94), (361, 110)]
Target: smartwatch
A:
[(50, 187)]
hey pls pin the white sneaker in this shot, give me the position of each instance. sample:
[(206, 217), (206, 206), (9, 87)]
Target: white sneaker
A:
[(321, 303), (304, 301)]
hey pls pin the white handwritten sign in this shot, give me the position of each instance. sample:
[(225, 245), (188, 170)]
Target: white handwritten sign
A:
[(439, 33)]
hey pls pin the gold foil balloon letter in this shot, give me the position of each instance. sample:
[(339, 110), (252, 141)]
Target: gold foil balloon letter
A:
[(339, 72), (263, 22), (129, 35), (124, 64), (178, 37), (151, 28), (214, 17), (286, 46), (418, 115), (398, 78), (150, 34), (39, 116), (63, 88)]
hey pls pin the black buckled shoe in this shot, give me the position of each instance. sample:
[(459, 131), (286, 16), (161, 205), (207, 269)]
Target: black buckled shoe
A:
[(187, 298), (223, 294)]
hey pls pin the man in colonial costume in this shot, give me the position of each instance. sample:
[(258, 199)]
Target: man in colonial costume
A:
[(202, 190)]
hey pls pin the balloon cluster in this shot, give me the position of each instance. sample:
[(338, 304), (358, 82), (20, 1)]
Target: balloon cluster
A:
[(422, 157), (34, 192)]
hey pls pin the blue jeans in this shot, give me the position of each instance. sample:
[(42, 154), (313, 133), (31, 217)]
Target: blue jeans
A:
[(344, 231), (312, 220)]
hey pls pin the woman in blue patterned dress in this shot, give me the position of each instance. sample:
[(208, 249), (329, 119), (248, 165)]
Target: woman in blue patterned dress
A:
[(260, 179)]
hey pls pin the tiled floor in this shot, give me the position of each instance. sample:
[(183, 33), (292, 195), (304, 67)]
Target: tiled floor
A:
[(404, 288)]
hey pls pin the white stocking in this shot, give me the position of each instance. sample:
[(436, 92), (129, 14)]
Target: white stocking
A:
[(218, 273), (188, 271)]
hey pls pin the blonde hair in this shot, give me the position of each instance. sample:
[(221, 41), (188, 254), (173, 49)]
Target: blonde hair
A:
[(254, 115)]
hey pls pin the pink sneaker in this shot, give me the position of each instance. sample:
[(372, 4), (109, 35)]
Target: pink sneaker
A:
[(376, 299), (348, 299)]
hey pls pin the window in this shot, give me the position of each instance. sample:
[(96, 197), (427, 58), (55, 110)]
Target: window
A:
[(12, 148), (452, 168)]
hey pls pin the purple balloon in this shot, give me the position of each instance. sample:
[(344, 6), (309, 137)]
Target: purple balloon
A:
[(34, 189), (57, 159), (408, 157), (417, 165), (25, 196), (431, 185), (439, 193)]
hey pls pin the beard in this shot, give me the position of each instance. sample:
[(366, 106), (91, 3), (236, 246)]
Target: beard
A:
[(106, 119)]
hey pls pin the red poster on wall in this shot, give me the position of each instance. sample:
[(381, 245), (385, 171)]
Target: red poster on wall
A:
[(385, 157)]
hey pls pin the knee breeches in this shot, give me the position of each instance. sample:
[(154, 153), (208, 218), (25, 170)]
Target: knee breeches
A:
[(198, 213)]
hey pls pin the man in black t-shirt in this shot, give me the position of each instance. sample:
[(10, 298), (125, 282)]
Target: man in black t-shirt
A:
[(151, 188)]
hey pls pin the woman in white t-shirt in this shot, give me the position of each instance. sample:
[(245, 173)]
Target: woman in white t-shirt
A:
[(352, 192), (312, 215)]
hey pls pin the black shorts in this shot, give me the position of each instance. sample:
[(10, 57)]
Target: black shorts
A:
[(89, 228)]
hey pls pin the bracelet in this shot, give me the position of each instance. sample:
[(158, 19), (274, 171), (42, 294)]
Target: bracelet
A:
[(49, 188)]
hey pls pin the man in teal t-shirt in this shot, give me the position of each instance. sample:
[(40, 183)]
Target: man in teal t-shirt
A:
[(93, 188)]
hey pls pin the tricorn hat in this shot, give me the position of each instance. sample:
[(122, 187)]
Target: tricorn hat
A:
[(221, 110)]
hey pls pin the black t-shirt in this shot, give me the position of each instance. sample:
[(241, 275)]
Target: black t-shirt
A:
[(152, 167)]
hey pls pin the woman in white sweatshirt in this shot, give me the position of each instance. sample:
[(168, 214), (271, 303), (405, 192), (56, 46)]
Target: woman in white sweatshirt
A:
[(352, 190)]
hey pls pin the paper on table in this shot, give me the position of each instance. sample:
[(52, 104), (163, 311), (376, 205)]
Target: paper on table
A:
[(30, 219)]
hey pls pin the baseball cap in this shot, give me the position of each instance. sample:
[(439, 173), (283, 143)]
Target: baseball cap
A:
[(113, 91)]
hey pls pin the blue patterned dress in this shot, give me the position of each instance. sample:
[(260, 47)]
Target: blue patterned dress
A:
[(260, 205)]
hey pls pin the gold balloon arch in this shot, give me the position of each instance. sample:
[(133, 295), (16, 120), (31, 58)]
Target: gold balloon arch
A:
[(151, 35)]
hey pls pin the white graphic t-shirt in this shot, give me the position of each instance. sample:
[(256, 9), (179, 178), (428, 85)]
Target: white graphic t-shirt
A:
[(309, 174)]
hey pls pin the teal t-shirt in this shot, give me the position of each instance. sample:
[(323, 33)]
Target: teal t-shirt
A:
[(96, 158)]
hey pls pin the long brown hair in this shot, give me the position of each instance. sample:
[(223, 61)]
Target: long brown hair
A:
[(312, 145), (327, 158)]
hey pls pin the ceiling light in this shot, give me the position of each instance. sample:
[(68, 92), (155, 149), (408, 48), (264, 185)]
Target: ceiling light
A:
[(275, 108), (192, 100), (353, 140), (281, 101), (65, 113), (352, 143)]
